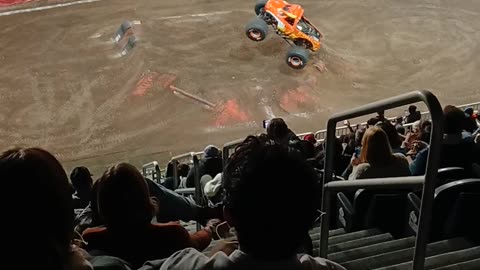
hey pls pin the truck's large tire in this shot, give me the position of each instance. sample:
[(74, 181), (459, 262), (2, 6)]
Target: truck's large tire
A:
[(259, 5), (256, 29), (297, 57)]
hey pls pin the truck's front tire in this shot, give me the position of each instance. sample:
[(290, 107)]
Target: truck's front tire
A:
[(256, 29), (297, 57)]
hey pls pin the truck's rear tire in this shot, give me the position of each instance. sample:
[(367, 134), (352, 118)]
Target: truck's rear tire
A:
[(259, 5), (256, 29), (297, 57)]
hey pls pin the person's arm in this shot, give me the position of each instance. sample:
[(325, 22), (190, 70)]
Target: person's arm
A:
[(173, 206), (198, 240), (417, 167)]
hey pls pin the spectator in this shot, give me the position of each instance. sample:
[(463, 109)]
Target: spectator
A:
[(413, 115), (412, 135), (399, 125), (125, 206), (379, 118), (82, 182), (310, 138), (457, 150), (210, 164), (260, 174), (470, 121), (174, 207), (425, 131), (393, 138), (279, 132), (45, 199), (340, 161), (182, 172), (376, 158)]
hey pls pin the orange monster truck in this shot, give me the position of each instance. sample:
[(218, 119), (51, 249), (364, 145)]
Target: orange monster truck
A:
[(288, 22)]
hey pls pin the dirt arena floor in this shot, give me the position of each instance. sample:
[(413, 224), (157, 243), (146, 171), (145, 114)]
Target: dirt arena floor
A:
[(64, 87)]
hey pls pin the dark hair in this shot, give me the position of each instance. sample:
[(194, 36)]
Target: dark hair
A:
[(81, 178), (392, 134), (268, 189), (454, 119), (124, 198), (277, 129), (412, 108), (42, 196), (183, 170)]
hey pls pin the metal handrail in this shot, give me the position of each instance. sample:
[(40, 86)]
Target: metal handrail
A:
[(433, 161), (175, 162), (198, 191), (343, 130)]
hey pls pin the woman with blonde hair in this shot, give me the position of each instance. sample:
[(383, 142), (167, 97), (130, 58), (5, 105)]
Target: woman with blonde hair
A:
[(376, 158)]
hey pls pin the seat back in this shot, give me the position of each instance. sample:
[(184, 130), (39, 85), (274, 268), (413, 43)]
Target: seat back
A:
[(454, 210), (450, 174), (383, 209)]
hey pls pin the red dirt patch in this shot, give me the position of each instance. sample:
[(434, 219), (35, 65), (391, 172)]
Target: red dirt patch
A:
[(230, 112)]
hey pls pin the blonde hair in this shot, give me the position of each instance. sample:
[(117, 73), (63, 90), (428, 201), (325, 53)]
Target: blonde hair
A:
[(376, 149)]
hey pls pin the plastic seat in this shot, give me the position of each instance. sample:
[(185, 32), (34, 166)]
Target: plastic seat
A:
[(383, 209), (454, 210)]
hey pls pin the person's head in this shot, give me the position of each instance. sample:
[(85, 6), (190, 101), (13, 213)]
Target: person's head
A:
[(454, 119), (42, 196), (123, 197), (211, 151), (81, 179), (412, 109), (469, 111), (183, 170), (424, 124), (310, 138), (308, 149), (398, 120), (359, 133), (277, 129), (376, 149), (259, 195), (392, 134), (416, 126)]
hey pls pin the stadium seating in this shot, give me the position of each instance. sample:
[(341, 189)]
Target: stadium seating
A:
[(377, 228), (453, 211)]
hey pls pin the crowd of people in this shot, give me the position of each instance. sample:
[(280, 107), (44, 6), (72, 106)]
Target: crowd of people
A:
[(122, 219)]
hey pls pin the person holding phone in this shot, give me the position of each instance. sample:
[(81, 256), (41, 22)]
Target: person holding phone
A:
[(376, 159)]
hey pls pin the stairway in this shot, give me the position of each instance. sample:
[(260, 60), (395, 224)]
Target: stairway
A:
[(372, 249)]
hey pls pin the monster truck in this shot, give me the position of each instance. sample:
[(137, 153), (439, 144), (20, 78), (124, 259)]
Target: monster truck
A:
[(288, 22)]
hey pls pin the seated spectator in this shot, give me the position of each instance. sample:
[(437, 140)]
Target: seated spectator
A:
[(376, 158), (412, 135), (413, 115), (340, 161), (399, 125), (258, 195), (174, 207), (182, 172), (470, 121), (82, 182), (278, 131), (311, 138), (126, 209), (41, 214), (425, 131), (393, 138), (458, 150), (380, 117), (211, 164)]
